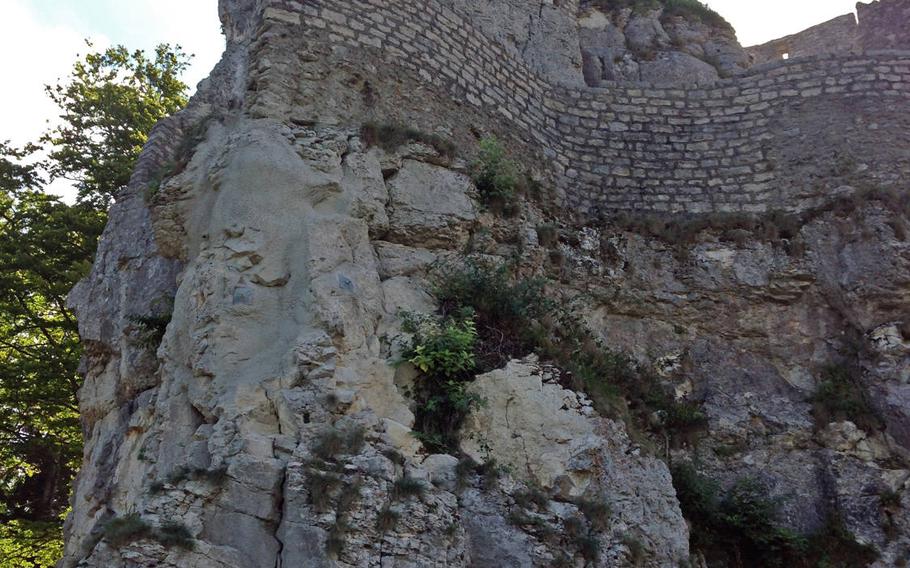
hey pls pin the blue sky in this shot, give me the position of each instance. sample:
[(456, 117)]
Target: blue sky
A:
[(40, 40)]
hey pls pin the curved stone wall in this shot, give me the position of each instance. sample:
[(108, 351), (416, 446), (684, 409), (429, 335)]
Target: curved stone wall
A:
[(782, 136)]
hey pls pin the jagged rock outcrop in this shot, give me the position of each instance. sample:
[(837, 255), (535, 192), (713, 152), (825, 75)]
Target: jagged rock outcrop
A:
[(655, 46), (271, 422)]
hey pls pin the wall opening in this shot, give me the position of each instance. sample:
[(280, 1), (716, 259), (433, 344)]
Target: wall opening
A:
[(785, 56)]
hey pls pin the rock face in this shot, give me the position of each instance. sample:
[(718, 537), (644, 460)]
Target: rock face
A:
[(271, 423), (655, 46)]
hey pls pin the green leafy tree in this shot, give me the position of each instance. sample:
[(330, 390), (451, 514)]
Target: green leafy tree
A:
[(108, 109), (108, 106), (45, 247)]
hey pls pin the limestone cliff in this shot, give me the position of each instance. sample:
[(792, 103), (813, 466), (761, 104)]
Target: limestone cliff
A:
[(245, 400)]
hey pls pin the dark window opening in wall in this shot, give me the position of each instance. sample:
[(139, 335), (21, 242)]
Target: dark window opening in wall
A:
[(786, 56)]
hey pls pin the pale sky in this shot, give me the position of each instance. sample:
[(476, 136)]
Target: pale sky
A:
[(40, 40)]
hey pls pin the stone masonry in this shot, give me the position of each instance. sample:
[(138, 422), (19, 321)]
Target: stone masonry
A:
[(747, 143)]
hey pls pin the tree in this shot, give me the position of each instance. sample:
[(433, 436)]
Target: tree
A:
[(108, 109), (109, 105)]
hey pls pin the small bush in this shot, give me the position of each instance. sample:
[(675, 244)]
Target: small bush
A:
[(636, 548), (465, 468), (588, 547), (497, 178), (320, 487), (502, 307), (834, 547), (548, 235), (124, 530), (574, 527), (840, 396), (387, 519), (515, 317), (131, 528), (150, 329), (390, 137), (740, 527), (348, 497), (747, 510), (172, 533), (532, 497), (441, 346), (889, 499), (335, 541), (333, 443), (683, 415), (596, 511), (489, 472), (406, 487), (215, 476)]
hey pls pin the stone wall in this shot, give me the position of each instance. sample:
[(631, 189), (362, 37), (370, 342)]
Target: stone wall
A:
[(834, 36), (782, 136), (878, 25), (884, 24)]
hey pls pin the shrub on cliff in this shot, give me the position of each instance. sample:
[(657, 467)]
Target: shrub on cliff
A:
[(497, 177), (391, 136), (740, 526), (442, 349), (841, 396), (515, 317)]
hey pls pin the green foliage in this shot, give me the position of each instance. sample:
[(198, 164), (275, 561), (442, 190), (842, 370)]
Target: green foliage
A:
[(502, 307), (149, 329), (121, 531), (522, 519), (108, 107), (514, 317), (740, 526), (889, 499), (834, 547), (747, 509), (390, 137), (441, 347), (497, 177), (30, 544), (335, 541), (840, 396), (588, 547), (46, 246)]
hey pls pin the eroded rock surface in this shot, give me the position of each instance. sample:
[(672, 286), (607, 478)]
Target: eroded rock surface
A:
[(273, 421), (655, 46)]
